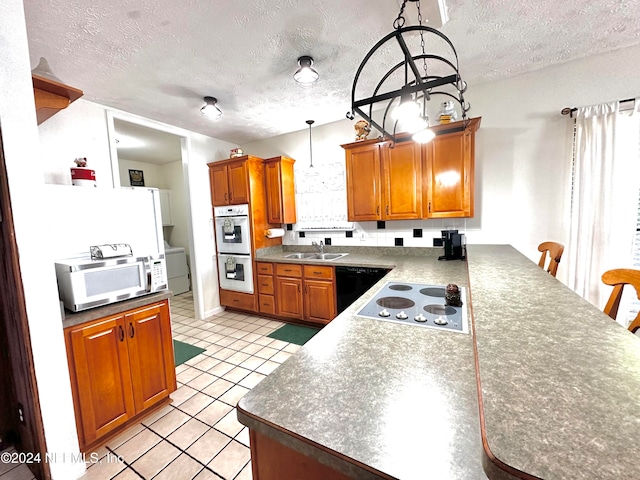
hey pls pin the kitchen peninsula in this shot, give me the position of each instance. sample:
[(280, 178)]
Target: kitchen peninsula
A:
[(544, 386)]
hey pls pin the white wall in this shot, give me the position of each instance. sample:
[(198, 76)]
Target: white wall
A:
[(522, 154), (26, 184)]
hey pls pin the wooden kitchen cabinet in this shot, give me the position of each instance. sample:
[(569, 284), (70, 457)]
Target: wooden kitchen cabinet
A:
[(306, 292), (266, 288), (319, 294), (120, 366), (384, 181), (411, 181), (280, 190), (448, 164), (229, 182), (51, 97)]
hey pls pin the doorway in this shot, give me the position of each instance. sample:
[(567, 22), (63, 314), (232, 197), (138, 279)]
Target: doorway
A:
[(149, 156)]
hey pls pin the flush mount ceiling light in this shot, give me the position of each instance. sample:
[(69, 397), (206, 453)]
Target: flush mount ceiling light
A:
[(210, 109), (413, 81), (305, 75)]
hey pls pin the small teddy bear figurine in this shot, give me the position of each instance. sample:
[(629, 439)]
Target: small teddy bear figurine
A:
[(81, 161), (362, 130)]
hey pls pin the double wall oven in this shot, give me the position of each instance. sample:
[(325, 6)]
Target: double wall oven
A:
[(233, 240)]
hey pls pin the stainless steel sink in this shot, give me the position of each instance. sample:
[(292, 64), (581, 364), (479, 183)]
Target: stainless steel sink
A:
[(327, 256), (316, 256), (300, 255)]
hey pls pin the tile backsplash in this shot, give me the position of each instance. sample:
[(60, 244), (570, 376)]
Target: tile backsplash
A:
[(406, 233)]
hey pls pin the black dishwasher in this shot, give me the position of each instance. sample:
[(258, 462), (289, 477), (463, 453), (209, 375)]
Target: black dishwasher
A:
[(352, 282)]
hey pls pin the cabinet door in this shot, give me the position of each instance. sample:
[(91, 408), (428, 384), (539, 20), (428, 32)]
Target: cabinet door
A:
[(148, 332), (273, 173), (101, 370), (364, 193), (238, 186), (319, 301), (449, 176), (289, 297), (219, 185), (402, 173)]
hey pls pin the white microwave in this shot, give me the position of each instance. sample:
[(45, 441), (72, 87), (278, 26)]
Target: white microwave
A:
[(85, 283)]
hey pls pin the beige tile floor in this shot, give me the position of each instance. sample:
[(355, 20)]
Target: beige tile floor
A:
[(197, 436)]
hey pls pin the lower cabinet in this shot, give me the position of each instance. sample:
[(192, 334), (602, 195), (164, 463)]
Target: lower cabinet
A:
[(271, 460), (120, 366), (305, 292), (242, 301)]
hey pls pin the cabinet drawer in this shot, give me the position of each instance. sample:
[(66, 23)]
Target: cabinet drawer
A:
[(314, 271), (243, 301), (265, 284), (267, 304), (264, 268), (288, 270)]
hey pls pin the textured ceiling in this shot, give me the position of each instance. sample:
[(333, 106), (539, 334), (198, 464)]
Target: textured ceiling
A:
[(158, 58)]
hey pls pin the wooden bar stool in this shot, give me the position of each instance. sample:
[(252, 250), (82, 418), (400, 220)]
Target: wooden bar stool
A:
[(555, 254), (618, 278)]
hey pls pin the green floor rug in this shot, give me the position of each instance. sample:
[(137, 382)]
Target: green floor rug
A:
[(294, 334), (183, 352)]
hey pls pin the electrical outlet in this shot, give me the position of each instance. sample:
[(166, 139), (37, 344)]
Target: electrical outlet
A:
[(362, 237)]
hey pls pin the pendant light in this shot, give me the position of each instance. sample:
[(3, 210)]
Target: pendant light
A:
[(312, 171)]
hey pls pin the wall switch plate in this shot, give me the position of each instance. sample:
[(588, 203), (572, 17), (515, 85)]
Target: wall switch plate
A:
[(362, 237)]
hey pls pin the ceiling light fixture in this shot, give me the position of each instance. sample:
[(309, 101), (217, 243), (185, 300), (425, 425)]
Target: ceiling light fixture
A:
[(413, 81), (210, 109), (305, 75)]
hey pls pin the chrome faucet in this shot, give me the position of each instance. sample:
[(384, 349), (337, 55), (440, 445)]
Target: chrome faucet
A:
[(319, 246)]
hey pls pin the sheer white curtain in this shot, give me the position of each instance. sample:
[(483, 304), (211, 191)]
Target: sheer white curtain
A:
[(605, 197)]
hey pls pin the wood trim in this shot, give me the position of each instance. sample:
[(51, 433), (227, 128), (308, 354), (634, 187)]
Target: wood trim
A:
[(24, 388)]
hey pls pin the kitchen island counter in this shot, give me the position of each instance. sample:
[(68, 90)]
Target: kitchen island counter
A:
[(558, 383), (377, 399)]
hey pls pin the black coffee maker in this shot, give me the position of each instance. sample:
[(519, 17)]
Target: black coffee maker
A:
[(455, 247)]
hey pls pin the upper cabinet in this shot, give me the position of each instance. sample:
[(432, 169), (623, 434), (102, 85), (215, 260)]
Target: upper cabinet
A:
[(383, 181), (51, 97), (280, 190), (448, 166), (230, 181), (407, 180)]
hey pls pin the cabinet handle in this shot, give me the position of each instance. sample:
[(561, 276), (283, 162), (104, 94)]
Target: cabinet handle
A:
[(264, 284), (132, 331), (287, 270), (230, 196), (298, 288), (121, 330), (225, 196), (387, 209), (429, 207), (236, 300), (317, 273), (306, 289), (377, 209)]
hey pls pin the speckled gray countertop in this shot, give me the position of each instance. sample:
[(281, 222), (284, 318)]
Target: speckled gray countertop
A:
[(560, 380), (393, 401), (71, 319)]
